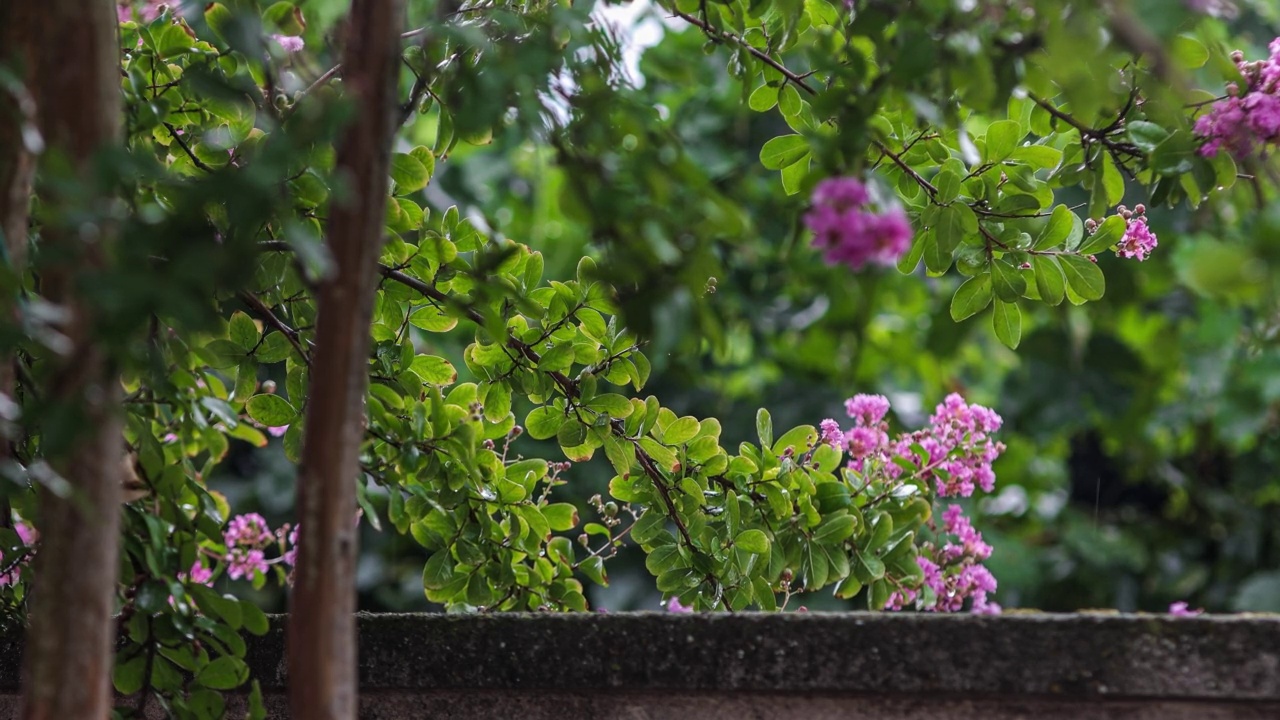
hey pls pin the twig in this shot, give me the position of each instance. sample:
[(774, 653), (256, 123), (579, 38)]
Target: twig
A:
[(762, 56), (261, 308), (173, 132), (897, 160)]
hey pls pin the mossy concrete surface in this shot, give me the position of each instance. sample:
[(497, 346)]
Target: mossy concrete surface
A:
[(798, 665)]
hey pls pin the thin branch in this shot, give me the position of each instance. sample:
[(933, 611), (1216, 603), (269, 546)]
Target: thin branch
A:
[(706, 27), (173, 132), (270, 318), (897, 160), (326, 77)]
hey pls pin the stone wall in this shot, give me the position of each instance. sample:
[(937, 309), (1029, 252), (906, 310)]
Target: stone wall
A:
[(809, 666)]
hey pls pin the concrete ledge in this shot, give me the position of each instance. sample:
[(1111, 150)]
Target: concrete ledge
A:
[(805, 665)]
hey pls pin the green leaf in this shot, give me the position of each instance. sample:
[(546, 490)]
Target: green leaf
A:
[(1064, 226), (255, 621), (611, 404), (243, 332), (1112, 182), (680, 431), (948, 185), (1175, 154), (561, 516), (1049, 280), (593, 568), (662, 559), (1189, 52), (753, 541), (1008, 283), (275, 348), (1146, 135), (789, 101), (1007, 320), (971, 297), (271, 410), (648, 527), (432, 319), (225, 673), (1002, 138), (871, 566), (424, 155), (543, 423), (955, 223), (800, 439), (129, 676), (409, 173), (438, 571), (782, 151), (434, 370), (794, 174), (1107, 234), (763, 98), (1038, 156), (764, 427), (1083, 276), (835, 529)]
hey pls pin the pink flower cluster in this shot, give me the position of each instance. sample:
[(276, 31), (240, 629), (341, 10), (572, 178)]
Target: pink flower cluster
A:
[(289, 43), (11, 568), (1138, 240), (957, 442), (673, 605), (958, 451), (149, 11), (1181, 609), (953, 573), (848, 228), (1246, 118), (247, 537)]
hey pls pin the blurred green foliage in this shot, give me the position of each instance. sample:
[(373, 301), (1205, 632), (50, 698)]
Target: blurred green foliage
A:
[(572, 220)]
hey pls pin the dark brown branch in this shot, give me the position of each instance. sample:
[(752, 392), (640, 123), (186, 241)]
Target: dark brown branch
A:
[(270, 318), (173, 133), (762, 56), (897, 160)]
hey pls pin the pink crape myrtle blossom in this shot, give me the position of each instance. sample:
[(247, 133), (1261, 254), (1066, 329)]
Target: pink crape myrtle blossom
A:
[(673, 605), (954, 455), (1247, 119), (198, 574), (147, 11), (955, 573), (1138, 241), (244, 563), (850, 230), (11, 566), (1180, 609), (290, 43), (248, 530)]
